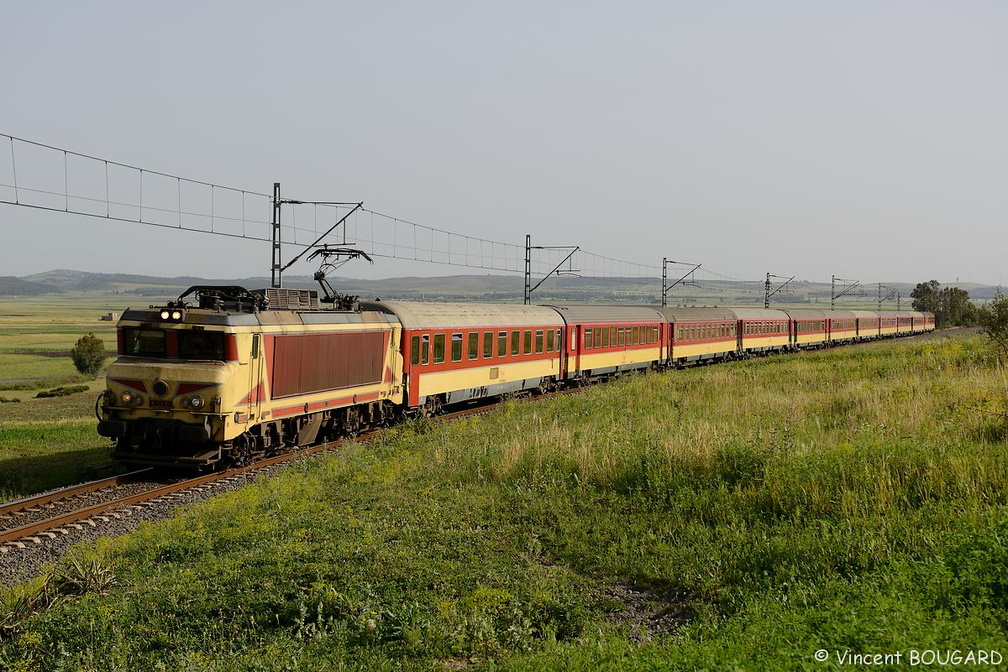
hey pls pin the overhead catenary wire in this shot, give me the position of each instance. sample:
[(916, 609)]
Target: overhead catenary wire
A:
[(225, 213)]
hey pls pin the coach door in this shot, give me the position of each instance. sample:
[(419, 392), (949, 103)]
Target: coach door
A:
[(255, 377)]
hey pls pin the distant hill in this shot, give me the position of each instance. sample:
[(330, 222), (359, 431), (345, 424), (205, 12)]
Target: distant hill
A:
[(11, 286), (496, 288)]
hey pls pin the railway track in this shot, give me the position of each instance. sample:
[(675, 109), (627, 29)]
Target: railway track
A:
[(88, 514), (79, 511)]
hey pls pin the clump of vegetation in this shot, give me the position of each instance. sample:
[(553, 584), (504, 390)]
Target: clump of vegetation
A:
[(88, 355), (9, 400), (77, 576), (62, 391), (994, 321), (951, 305)]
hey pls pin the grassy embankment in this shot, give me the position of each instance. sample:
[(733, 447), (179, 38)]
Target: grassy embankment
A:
[(46, 443), (850, 500)]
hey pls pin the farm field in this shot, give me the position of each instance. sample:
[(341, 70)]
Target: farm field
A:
[(47, 443), (36, 335), (751, 515)]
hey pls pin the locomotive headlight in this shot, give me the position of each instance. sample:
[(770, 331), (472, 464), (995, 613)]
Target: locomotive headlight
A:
[(176, 315), (196, 402), (165, 314), (131, 398)]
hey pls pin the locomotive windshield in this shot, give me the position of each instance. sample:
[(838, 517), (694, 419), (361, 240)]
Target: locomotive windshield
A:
[(161, 344), (201, 345), (145, 343)]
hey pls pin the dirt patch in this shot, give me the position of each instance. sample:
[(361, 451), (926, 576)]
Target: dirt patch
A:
[(650, 612)]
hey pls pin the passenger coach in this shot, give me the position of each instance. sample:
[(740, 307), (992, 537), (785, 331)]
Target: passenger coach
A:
[(701, 334), (455, 352), (602, 340)]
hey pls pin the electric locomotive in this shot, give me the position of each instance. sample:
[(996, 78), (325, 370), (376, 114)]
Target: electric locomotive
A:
[(236, 375)]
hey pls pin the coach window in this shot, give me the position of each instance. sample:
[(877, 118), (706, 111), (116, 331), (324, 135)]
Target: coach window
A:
[(527, 344), (605, 337), (439, 340), (515, 343), (415, 350), (456, 347), (473, 345), (539, 341), (550, 340), (487, 344), (425, 349), (587, 338), (502, 344)]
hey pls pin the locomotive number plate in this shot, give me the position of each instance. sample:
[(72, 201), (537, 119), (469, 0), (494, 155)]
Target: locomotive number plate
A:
[(161, 403)]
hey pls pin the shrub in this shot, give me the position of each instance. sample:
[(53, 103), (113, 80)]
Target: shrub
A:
[(62, 391), (88, 355), (994, 322)]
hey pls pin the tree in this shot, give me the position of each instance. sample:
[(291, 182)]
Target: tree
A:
[(993, 320), (955, 308), (951, 305), (88, 355), (925, 297)]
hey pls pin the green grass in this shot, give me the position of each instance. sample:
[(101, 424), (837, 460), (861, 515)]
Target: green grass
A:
[(36, 336), (38, 456), (849, 500), (47, 443)]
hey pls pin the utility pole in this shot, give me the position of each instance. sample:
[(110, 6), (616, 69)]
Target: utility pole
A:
[(767, 293), (528, 269), (849, 286), (556, 269), (664, 282), (276, 273), (887, 297)]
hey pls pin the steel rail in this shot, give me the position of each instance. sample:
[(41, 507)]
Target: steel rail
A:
[(66, 493), (49, 527)]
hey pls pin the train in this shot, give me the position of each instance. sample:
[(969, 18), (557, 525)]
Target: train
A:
[(225, 375)]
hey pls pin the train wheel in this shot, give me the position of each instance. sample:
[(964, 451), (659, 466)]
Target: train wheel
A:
[(352, 422), (433, 406), (241, 452)]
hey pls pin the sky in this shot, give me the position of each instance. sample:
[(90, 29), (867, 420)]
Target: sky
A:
[(861, 139)]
